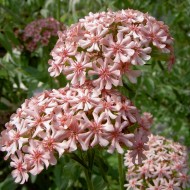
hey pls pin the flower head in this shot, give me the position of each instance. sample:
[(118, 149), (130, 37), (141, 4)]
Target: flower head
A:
[(108, 40), (68, 119), (40, 31), (166, 166)]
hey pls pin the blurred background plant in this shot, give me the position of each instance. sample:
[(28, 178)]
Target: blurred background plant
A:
[(23, 73)]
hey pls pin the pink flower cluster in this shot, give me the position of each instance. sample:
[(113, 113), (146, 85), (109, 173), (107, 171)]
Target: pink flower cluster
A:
[(165, 169), (105, 46), (93, 54), (64, 120), (40, 32)]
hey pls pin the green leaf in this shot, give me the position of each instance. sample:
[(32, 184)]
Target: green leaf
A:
[(5, 43), (98, 183), (35, 73), (102, 166), (33, 178), (79, 160), (90, 157), (3, 74), (8, 184), (58, 176), (123, 90), (149, 85), (11, 36), (3, 106)]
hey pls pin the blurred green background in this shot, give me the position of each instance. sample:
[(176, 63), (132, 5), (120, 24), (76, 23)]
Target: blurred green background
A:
[(164, 94)]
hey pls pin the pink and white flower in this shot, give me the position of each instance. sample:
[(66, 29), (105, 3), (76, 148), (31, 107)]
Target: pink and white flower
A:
[(76, 71), (108, 75), (36, 156), (121, 50), (20, 172)]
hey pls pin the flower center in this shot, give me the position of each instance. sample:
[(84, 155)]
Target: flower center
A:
[(78, 68), (19, 167), (37, 155), (105, 73)]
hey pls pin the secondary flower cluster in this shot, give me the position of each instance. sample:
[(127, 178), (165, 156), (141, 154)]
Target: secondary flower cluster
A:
[(40, 32), (64, 120), (165, 169), (104, 46)]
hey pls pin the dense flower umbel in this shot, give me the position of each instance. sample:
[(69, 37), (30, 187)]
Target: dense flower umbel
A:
[(104, 46), (39, 32), (68, 119), (164, 169)]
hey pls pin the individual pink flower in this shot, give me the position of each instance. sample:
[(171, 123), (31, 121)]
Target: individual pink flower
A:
[(108, 75), (128, 72), (132, 16), (109, 106), (54, 69), (76, 71), (20, 172), (184, 178), (133, 30), (61, 120), (162, 170), (138, 148), (117, 138), (156, 34), (35, 120), (171, 185), (91, 40), (144, 171), (51, 141), (140, 57), (95, 134), (13, 139), (129, 111), (157, 185), (121, 50), (134, 184), (60, 55), (85, 100), (72, 136), (36, 156)]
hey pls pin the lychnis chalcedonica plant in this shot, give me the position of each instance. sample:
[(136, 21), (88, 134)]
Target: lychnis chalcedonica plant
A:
[(94, 54)]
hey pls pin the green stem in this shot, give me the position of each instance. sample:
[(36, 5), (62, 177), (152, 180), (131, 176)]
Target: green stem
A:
[(58, 9), (120, 169), (87, 164), (88, 180)]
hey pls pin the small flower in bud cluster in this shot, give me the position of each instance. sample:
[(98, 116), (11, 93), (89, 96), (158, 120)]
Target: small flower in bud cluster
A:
[(68, 119), (39, 32), (104, 46), (166, 167)]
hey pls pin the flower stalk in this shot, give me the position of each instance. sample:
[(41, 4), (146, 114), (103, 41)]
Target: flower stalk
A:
[(120, 170), (88, 179)]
